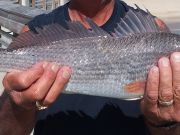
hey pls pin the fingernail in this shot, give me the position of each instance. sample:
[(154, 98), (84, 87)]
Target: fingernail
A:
[(45, 64), (66, 72), (55, 67), (176, 57), (165, 62)]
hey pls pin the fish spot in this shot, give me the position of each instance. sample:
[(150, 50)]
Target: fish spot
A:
[(135, 87)]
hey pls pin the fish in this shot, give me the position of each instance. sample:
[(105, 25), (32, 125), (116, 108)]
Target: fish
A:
[(113, 64)]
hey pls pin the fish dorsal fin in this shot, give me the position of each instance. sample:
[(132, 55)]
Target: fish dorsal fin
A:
[(56, 32), (136, 21)]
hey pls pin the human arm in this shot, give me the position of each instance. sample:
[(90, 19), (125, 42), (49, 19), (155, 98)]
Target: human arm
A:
[(43, 82), (163, 84)]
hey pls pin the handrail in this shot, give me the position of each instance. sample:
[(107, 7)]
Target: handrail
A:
[(15, 16)]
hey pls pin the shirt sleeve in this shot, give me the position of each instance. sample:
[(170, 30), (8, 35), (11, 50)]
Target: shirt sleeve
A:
[(40, 21)]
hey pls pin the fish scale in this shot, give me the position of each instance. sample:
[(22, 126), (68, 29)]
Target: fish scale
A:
[(104, 64)]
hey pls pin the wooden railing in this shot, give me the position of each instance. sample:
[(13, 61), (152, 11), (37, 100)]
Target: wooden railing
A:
[(43, 4), (46, 4), (13, 17)]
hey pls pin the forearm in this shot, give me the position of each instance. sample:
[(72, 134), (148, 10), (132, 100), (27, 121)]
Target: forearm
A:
[(172, 130), (15, 120)]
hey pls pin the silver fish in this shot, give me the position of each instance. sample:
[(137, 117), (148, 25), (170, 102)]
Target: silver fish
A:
[(110, 65)]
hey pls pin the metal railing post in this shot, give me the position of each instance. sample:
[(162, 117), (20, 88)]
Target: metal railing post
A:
[(44, 4), (25, 2), (33, 3), (62, 2), (58, 2), (53, 4)]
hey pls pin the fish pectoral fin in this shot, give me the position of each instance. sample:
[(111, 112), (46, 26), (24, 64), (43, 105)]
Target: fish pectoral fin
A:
[(135, 87)]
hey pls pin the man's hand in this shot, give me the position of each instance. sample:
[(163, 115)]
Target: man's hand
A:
[(43, 83), (163, 84)]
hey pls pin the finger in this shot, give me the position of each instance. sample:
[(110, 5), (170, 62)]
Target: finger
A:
[(20, 80), (152, 86), (165, 86), (175, 62), (40, 88), (62, 78)]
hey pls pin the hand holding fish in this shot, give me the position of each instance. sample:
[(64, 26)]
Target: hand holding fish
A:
[(161, 103), (43, 82)]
